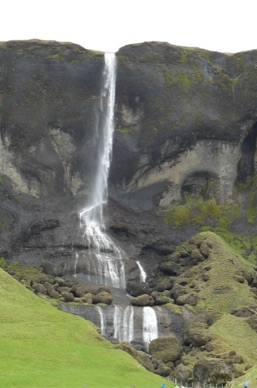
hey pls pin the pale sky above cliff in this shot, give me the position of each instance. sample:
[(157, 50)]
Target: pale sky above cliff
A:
[(106, 25)]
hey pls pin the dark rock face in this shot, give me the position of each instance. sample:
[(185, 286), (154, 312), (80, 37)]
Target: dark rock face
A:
[(180, 113), (183, 118), (49, 106)]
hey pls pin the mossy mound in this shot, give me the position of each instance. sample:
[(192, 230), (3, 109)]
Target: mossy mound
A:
[(227, 287), (222, 285), (211, 274)]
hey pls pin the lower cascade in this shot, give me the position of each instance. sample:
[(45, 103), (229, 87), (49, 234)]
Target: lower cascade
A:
[(150, 326), (135, 325), (102, 320), (123, 323)]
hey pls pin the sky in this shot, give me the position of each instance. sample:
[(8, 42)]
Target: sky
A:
[(106, 25)]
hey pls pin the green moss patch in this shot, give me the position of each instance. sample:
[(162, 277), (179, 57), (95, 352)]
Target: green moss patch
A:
[(200, 210), (21, 271), (226, 287)]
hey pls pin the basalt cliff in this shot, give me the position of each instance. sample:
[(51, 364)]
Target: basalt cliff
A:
[(182, 183)]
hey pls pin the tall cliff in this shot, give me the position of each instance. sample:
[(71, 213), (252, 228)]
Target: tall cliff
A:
[(49, 108), (185, 125), (184, 116)]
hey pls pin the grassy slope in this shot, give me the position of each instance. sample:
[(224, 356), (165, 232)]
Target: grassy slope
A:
[(238, 335), (224, 293), (41, 346)]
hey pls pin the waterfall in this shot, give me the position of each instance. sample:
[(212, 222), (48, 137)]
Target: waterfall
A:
[(102, 320), (104, 260), (142, 272), (75, 264), (150, 326), (123, 322), (128, 324), (117, 317)]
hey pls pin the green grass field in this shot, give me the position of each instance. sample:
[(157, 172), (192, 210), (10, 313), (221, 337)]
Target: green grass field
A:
[(41, 346)]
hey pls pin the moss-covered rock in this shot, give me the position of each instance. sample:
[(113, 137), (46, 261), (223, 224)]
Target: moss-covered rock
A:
[(167, 348), (162, 299), (88, 298), (196, 333), (142, 300), (39, 288), (141, 357), (213, 371), (103, 297), (68, 296), (181, 373), (189, 299), (170, 268)]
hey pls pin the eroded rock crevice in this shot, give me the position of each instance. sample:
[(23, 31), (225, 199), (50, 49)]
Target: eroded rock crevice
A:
[(248, 162)]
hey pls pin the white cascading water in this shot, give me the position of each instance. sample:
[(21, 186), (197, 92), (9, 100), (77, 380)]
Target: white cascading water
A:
[(102, 320), (128, 324), (75, 264), (123, 323), (142, 272), (104, 261), (150, 326)]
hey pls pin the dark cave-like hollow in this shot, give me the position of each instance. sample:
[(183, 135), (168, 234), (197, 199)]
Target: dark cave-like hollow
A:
[(201, 183), (246, 165)]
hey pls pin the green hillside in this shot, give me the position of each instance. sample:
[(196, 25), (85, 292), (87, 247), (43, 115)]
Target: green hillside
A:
[(222, 283), (41, 346)]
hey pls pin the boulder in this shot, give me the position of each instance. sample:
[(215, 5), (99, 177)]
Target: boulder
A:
[(212, 371), (177, 291), (79, 289), (170, 268), (68, 297), (204, 250), (135, 288), (196, 333), (166, 348), (252, 321), (88, 298), (163, 370), (161, 284), (103, 297), (233, 357), (53, 294), (181, 373), (196, 255), (39, 288), (190, 299), (49, 288), (142, 300), (162, 299)]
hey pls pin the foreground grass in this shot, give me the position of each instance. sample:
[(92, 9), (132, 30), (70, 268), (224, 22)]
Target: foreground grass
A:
[(41, 346)]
